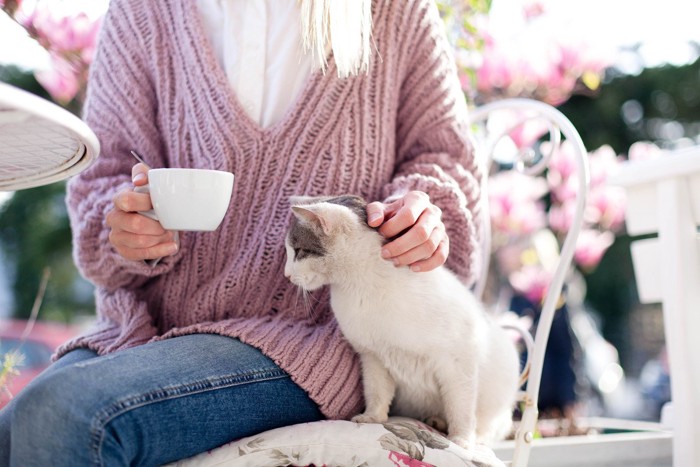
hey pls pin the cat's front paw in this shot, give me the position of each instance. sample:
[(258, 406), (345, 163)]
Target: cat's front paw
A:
[(369, 418), (464, 441)]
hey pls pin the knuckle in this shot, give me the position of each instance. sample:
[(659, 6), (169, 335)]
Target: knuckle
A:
[(435, 210), (126, 203), (421, 195), (412, 216), (142, 224), (109, 218), (423, 232), (113, 237), (137, 223), (142, 242), (117, 201), (434, 242)]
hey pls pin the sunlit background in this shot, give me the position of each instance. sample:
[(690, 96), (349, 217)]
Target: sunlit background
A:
[(626, 72)]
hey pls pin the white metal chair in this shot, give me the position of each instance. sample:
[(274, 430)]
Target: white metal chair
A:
[(529, 162)]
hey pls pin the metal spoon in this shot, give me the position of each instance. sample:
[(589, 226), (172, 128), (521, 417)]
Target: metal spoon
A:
[(138, 158)]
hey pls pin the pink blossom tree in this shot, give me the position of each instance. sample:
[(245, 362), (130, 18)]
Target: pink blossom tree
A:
[(70, 40)]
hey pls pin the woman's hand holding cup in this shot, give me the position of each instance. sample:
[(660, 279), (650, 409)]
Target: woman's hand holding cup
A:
[(133, 235)]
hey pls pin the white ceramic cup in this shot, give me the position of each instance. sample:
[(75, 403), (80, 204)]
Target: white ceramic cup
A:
[(189, 199)]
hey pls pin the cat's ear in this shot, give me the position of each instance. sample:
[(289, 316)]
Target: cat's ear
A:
[(298, 200), (312, 216)]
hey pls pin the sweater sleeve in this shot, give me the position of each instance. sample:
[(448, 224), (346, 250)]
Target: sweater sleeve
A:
[(434, 150), (121, 108)]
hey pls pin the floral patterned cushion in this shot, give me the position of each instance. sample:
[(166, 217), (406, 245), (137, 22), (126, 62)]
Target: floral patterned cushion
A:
[(396, 443)]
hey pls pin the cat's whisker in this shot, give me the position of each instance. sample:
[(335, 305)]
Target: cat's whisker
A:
[(307, 303), (304, 294), (296, 297)]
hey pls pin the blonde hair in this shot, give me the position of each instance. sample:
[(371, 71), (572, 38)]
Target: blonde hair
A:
[(345, 26)]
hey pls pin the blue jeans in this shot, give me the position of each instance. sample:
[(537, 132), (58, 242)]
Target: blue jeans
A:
[(148, 405)]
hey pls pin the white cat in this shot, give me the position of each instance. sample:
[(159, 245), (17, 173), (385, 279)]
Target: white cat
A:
[(427, 347)]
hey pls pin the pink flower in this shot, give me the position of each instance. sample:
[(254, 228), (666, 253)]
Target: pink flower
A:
[(514, 203), (495, 71), (71, 41), (61, 81), (606, 207), (591, 246), (532, 281), (400, 459), (539, 58), (10, 6), (561, 171), (562, 165), (533, 9), (64, 34), (522, 129), (561, 216)]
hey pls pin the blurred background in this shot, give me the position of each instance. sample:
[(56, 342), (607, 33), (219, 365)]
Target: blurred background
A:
[(626, 73)]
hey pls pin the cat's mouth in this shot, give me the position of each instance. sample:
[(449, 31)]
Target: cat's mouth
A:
[(306, 283)]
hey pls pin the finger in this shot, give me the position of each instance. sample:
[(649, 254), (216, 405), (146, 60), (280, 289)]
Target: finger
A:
[(139, 247), (127, 240), (418, 234), (139, 174), (422, 251), (158, 251), (375, 214), (134, 223), (131, 201), (438, 258), (405, 217)]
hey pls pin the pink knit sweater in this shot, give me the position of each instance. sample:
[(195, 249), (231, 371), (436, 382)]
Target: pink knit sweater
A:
[(156, 87)]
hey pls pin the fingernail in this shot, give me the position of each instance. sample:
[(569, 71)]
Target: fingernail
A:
[(139, 177), (373, 218), (397, 263), (415, 268), (173, 248), (385, 253)]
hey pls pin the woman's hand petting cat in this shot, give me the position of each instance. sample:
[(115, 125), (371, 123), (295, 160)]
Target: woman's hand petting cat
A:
[(135, 236), (415, 225)]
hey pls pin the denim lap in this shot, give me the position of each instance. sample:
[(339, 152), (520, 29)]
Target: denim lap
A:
[(151, 404)]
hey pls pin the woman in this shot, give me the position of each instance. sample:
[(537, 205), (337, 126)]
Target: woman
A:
[(212, 343)]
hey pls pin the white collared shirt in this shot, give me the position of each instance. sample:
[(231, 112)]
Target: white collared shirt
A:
[(259, 45)]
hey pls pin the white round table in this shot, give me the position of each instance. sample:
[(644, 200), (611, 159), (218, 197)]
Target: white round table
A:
[(40, 142)]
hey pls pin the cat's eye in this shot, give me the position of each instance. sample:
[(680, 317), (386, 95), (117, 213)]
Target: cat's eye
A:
[(301, 253)]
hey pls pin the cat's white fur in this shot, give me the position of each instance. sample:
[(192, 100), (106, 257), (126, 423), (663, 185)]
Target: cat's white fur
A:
[(428, 349)]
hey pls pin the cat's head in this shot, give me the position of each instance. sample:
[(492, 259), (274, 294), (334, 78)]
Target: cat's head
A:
[(325, 238)]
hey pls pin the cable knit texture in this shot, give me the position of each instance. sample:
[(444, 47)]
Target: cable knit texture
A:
[(156, 87)]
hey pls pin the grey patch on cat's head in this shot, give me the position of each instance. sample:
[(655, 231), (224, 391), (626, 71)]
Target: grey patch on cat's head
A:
[(304, 241), (356, 204)]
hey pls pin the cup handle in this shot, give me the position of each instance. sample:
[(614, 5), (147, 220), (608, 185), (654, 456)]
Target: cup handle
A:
[(152, 215)]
